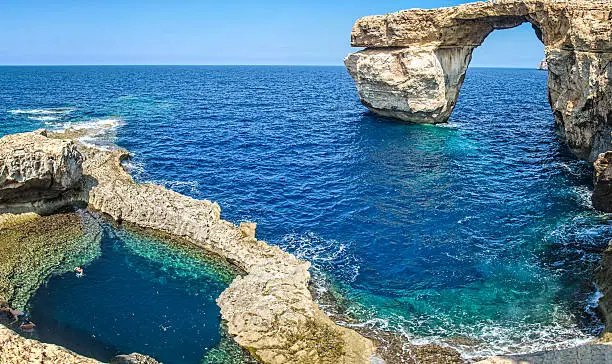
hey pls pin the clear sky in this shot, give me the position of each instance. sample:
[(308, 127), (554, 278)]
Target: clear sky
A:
[(316, 32)]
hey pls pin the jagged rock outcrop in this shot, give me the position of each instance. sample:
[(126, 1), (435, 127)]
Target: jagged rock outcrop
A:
[(34, 167), (415, 61), (269, 310), (602, 180), (543, 65)]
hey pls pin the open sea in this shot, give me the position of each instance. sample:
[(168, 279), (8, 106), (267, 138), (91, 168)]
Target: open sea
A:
[(478, 234)]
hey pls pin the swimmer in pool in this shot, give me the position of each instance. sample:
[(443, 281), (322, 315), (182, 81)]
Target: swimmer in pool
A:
[(79, 271)]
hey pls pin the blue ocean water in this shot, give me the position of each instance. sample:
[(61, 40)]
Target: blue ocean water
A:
[(478, 234), (140, 295)]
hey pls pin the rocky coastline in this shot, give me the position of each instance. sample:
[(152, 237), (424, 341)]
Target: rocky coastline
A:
[(269, 310), (412, 69)]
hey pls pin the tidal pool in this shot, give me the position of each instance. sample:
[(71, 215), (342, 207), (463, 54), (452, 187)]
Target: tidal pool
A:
[(142, 294)]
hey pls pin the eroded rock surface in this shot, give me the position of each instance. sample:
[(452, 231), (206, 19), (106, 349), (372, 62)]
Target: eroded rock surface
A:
[(270, 310), (33, 167), (589, 353), (602, 180), (15, 349), (415, 61)]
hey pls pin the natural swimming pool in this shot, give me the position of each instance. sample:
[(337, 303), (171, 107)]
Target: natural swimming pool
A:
[(141, 294)]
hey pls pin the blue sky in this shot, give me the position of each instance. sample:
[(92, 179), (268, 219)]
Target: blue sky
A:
[(213, 32)]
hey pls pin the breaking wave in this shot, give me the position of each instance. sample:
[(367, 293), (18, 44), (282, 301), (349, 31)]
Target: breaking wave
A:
[(34, 112)]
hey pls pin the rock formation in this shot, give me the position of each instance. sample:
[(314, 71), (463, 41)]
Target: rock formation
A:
[(415, 61), (269, 310), (602, 193), (543, 65), (15, 349), (33, 168)]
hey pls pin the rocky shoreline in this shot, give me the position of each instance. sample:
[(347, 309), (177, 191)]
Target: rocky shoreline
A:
[(269, 311)]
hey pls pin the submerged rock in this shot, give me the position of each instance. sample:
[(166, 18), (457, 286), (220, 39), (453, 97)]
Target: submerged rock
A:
[(133, 358), (415, 61), (34, 167), (33, 247), (602, 193)]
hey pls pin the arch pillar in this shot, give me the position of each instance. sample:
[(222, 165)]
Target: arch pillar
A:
[(414, 62)]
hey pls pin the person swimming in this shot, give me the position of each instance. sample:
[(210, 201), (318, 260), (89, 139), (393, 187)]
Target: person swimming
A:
[(79, 271)]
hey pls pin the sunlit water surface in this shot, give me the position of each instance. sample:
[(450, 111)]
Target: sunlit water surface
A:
[(478, 234)]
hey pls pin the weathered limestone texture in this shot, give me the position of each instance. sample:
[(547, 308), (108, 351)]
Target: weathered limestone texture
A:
[(33, 167), (269, 310), (15, 349), (602, 193), (589, 353), (415, 61)]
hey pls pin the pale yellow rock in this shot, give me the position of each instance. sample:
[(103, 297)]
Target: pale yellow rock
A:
[(34, 167), (15, 349), (415, 61)]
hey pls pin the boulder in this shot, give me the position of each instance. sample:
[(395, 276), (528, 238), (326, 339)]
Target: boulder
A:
[(133, 358), (34, 167)]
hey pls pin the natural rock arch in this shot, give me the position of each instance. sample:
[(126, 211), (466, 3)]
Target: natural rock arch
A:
[(415, 61)]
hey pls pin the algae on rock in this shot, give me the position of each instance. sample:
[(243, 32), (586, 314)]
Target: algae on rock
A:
[(32, 248)]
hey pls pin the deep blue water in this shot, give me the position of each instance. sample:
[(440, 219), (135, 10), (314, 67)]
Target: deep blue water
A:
[(478, 234), (139, 295)]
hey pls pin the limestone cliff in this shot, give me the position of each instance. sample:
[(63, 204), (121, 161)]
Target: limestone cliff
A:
[(33, 167), (415, 61), (602, 180)]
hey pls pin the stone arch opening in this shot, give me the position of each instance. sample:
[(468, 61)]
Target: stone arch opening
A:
[(414, 62)]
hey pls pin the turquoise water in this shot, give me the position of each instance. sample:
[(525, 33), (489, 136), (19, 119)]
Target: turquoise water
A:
[(478, 234), (141, 294)]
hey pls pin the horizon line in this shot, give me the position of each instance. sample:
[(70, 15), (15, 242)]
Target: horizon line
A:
[(221, 65)]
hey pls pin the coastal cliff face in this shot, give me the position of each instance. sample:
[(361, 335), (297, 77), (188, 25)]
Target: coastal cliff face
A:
[(33, 167), (415, 61), (602, 180)]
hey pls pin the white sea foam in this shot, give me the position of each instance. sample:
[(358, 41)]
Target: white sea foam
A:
[(95, 125), (329, 255), (53, 111), (97, 133), (583, 195), (43, 118)]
